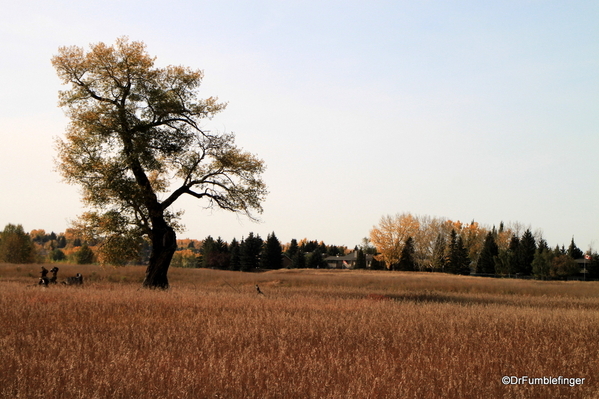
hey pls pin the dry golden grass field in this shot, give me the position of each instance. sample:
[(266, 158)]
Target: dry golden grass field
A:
[(314, 334)]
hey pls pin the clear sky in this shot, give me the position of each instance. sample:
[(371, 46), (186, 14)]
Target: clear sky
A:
[(484, 110)]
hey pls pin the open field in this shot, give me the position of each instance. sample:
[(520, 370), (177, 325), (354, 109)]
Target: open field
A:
[(314, 334)]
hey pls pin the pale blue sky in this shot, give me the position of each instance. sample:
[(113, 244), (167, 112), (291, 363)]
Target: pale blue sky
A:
[(457, 109)]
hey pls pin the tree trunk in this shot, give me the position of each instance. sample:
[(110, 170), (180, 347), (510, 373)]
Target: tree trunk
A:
[(164, 245)]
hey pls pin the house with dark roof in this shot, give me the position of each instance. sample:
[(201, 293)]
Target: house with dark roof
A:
[(346, 261)]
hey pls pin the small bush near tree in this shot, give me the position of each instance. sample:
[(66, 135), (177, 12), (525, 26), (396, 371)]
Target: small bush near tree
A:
[(84, 255), (57, 255)]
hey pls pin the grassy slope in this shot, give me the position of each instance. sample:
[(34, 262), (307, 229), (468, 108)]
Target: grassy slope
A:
[(315, 334)]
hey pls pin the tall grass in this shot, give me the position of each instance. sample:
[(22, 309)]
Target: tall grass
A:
[(313, 335)]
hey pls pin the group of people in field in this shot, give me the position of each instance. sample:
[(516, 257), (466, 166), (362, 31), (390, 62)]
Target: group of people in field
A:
[(45, 281)]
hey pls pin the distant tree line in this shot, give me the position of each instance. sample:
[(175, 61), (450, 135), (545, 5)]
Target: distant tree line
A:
[(253, 252), (17, 246), (402, 242), (415, 243)]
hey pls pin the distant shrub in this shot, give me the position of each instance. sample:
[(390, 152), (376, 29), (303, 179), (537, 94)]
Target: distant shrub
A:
[(84, 255), (57, 255)]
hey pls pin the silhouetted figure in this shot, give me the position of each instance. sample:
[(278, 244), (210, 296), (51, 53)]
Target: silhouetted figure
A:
[(258, 290), (44, 279), (54, 270), (77, 280)]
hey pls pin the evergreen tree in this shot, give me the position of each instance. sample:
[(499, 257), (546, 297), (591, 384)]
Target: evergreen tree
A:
[(438, 261), (457, 261), (334, 250), (360, 259), (542, 245), (513, 255), (323, 248), (451, 255), (61, 241), (221, 258), (16, 245), (526, 253), (250, 252), (272, 255), (293, 248), (574, 252), (220, 255), (235, 255), (309, 246), (406, 258), (486, 260), (315, 260), (463, 260), (206, 252), (299, 260), (214, 254)]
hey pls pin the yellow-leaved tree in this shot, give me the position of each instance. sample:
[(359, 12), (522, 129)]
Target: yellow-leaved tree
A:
[(390, 235)]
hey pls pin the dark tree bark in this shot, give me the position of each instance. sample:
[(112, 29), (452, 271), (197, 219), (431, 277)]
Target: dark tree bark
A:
[(164, 245)]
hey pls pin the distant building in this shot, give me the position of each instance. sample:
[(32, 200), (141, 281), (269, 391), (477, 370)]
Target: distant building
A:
[(286, 262), (346, 261)]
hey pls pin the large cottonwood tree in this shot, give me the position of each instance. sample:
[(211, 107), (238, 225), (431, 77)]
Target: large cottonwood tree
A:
[(135, 145)]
